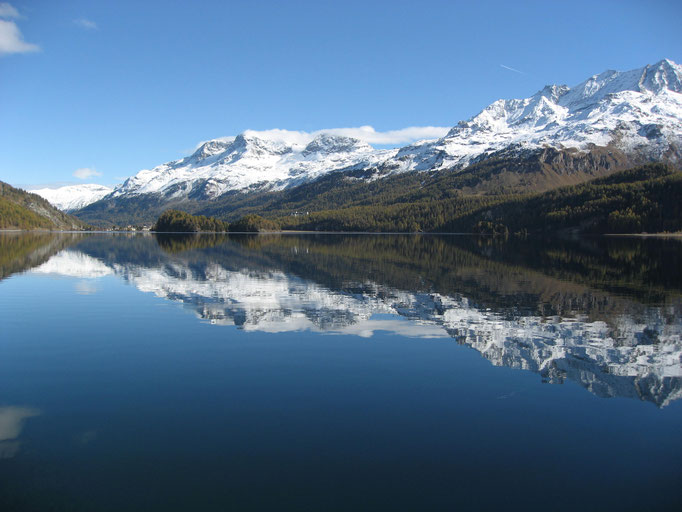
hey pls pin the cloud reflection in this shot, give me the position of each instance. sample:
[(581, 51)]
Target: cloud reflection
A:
[(12, 420), (85, 288)]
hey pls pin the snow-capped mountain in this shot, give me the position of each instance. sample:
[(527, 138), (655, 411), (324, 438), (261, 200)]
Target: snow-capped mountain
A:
[(633, 111), (73, 197), (637, 111), (252, 159)]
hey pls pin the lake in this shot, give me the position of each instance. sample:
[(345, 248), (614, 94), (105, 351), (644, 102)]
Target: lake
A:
[(339, 372)]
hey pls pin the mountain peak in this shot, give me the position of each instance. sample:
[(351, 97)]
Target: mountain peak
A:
[(327, 143), (212, 148), (274, 142), (553, 92), (665, 74)]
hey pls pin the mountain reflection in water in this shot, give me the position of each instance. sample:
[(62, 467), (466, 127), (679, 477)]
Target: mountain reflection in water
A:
[(604, 313)]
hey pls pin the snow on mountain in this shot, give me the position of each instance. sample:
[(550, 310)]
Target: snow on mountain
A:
[(73, 197), (636, 111), (252, 159)]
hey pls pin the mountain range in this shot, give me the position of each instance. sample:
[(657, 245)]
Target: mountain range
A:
[(558, 136)]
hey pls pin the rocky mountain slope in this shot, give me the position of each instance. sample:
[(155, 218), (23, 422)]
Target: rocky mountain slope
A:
[(558, 136)]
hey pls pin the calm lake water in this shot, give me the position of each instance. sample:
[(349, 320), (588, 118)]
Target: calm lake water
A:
[(332, 372)]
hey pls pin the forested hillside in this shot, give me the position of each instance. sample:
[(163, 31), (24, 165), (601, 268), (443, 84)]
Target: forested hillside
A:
[(645, 198), (23, 210)]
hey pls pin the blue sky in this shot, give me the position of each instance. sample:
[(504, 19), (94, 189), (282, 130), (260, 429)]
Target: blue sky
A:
[(115, 87)]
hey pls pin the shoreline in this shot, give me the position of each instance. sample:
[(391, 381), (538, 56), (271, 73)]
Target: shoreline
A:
[(306, 232), (646, 235)]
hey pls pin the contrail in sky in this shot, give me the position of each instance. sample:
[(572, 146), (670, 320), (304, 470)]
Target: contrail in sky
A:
[(512, 69)]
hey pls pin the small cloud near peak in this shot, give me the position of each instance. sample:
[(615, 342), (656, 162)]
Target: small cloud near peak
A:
[(85, 173)]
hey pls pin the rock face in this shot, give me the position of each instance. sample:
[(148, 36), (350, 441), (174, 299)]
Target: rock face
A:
[(636, 112)]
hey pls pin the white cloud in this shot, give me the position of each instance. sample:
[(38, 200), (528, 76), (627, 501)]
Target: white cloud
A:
[(11, 40), (7, 11), (365, 133), (86, 24), (85, 173)]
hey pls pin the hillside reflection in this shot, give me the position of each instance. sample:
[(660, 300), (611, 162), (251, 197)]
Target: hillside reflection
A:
[(604, 313), (22, 251)]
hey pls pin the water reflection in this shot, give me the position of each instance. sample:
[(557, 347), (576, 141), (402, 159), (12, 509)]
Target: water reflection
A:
[(12, 420), (22, 251), (602, 313)]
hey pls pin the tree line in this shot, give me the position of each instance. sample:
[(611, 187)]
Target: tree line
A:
[(176, 221)]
